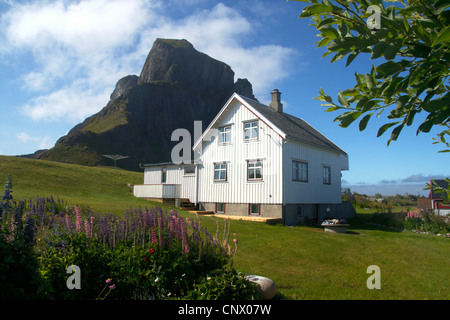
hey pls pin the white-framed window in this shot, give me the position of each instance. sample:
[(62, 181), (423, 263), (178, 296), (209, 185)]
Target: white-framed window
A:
[(254, 170), (225, 135), (220, 207), (251, 130), (326, 174), (254, 209), (163, 175), (220, 172), (189, 170), (299, 171)]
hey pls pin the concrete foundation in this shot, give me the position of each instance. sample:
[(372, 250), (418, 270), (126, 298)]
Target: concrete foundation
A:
[(291, 214)]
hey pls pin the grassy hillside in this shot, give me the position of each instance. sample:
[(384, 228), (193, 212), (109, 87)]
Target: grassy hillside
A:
[(105, 189), (305, 262)]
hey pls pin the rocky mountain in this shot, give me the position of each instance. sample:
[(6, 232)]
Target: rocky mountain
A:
[(177, 86)]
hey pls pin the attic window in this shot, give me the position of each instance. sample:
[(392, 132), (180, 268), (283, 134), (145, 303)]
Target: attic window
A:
[(251, 130), (225, 135)]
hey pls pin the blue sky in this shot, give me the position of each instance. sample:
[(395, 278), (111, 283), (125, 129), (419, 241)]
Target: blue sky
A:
[(60, 61)]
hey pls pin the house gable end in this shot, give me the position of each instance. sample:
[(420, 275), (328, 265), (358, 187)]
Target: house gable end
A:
[(243, 102)]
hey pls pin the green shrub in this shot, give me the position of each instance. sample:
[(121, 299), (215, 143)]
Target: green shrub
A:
[(394, 220), (224, 284)]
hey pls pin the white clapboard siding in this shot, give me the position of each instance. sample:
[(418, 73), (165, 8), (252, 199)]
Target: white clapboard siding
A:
[(237, 189), (314, 190), (174, 175), (160, 191), (189, 188)]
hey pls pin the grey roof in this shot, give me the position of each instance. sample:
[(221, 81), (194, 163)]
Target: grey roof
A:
[(295, 128)]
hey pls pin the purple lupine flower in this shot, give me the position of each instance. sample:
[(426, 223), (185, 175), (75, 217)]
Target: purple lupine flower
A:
[(78, 219), (68, 222), (153, 235), (87, 228), (160, 227), (92, 224), (184, 241)]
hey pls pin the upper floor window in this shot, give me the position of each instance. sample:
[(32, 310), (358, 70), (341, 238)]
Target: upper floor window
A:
[(326, 175), (163, 175), (254, 170), (299, 171), (251, 130), (220, 172), (225, 135)]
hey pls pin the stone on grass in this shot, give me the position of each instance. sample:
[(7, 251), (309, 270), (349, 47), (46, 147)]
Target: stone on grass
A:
[(266, 287)]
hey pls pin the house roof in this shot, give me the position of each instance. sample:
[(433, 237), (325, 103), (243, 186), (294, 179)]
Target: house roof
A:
[(294, 128), (286, 125)]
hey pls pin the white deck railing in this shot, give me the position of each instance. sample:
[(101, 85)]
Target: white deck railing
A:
[(159, 191)]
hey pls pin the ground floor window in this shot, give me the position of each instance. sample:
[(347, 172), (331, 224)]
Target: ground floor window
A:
[(300, 210), (254, 209), (220, 207)]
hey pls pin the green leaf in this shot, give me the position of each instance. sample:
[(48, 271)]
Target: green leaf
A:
[(340, 55), (378, 49), (325, 22), (362, 102), (384, 127), (330, 32), (369, 81), (444, 36), (347, 118), (343, 100), (391, 50), (324, 42), (350, 92), (395, 133), (364, 121), (351, 57), (315, 9)]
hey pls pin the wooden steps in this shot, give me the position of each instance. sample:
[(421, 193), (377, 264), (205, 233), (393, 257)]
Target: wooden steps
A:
[(186, 205), (250, 218)]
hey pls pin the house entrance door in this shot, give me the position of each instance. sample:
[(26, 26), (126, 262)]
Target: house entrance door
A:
[(316, 213)]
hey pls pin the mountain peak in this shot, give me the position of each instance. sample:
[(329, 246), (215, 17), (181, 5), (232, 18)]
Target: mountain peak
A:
[(179, 63), (177, 86)]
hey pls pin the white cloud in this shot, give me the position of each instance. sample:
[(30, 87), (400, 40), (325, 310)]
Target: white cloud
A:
[(221, 33), (39, 142), (80, 49)]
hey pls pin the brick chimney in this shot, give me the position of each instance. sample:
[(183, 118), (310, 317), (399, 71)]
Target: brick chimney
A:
[(276, 101)]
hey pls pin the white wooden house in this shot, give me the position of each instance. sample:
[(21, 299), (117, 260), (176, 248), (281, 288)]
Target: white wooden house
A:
[(256, 160)]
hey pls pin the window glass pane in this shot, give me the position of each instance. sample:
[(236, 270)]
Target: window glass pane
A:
[(224, 134), (299, 171), (220, 172), (189, 170), (251, 130), (254, 170), (221, 207), (295, 170), (254, 209), (326, 175)]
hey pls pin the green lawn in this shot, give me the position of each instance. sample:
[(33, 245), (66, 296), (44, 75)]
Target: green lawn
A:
[(305, 262)]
